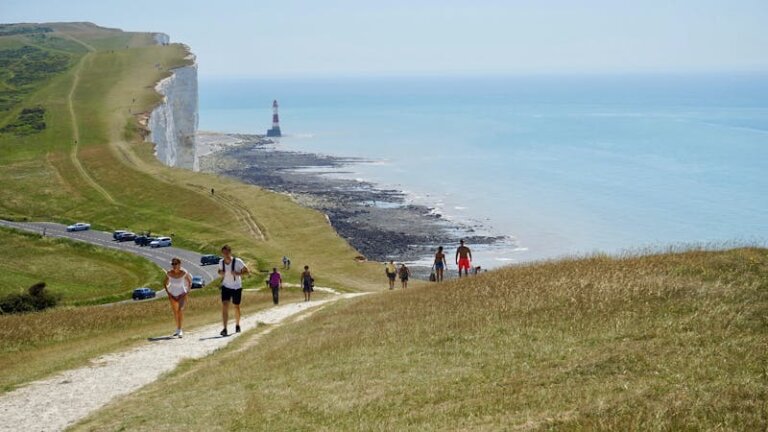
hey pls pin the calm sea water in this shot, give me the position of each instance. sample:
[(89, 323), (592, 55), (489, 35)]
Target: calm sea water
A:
[(563, 165)]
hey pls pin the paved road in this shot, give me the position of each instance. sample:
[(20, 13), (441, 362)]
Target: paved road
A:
[(159, 256)]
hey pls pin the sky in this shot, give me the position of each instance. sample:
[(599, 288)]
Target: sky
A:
[(293, 38)]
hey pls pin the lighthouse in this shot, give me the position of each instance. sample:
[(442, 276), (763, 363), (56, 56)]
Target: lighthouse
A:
[(275, 131)]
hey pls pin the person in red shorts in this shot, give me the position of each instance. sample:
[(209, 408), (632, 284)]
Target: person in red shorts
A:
[(463, 258)]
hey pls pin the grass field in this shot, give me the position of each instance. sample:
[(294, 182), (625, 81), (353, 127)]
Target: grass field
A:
[(664, 342), (78, 272)]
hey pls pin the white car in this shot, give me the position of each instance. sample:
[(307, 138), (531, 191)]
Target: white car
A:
[(80, 226), (161, 242)]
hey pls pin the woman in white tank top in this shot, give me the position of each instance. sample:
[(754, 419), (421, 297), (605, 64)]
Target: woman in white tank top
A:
[(177, 284)]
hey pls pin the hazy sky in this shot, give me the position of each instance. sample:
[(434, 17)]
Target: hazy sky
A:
[(345, 37)]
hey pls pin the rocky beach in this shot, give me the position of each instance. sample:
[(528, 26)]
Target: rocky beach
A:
[(380, 223)]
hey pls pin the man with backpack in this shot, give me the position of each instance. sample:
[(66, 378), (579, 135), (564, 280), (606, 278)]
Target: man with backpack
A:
[(275, 283), (231, 270)]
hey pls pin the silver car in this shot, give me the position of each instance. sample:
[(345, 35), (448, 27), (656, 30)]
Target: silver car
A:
[(161, 242), (80, 226)]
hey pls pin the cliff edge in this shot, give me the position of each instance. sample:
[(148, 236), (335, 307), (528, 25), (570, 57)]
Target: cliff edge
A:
[(173, 122)]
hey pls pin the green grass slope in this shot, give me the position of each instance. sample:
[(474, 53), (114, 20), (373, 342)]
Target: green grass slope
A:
[(78, 272), (666, 342), (89, 162)]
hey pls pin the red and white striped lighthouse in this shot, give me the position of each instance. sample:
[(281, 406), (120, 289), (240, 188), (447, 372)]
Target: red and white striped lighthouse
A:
[(275, 131)]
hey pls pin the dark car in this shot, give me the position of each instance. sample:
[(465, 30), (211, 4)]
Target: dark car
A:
[(126, 236), (143, 240), (116, 235), (209, 259), (143, 293), (197, 282)]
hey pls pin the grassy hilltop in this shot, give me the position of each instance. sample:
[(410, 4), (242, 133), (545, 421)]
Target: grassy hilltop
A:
[(90, 161), (72, 100)]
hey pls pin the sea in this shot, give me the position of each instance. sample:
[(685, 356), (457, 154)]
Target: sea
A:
[(558, 165)]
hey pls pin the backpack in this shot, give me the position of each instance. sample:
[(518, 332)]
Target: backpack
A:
[(432, 277), (224, 269)]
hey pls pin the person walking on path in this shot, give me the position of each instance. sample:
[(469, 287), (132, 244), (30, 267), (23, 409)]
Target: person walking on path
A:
[(307, 283), (177, 284), (440, 264), (405, 274), (275, 284), (231, 270), (463, 258), (391, 270)]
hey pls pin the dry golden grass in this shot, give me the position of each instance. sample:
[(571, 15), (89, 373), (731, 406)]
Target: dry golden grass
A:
[(664, 342)]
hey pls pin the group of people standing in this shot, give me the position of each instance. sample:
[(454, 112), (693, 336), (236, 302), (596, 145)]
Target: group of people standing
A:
[(178, 283), (463, 261)]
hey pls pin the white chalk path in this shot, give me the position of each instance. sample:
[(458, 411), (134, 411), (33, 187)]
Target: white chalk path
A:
[(55, 403)]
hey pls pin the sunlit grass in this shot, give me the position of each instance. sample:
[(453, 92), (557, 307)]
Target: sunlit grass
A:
[(77, 272), (664, 342)]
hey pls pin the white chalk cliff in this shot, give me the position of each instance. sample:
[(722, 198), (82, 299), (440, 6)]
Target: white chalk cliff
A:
[(173, 123)]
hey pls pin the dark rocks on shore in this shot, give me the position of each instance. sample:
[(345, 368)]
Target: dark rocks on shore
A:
[(377, 222)]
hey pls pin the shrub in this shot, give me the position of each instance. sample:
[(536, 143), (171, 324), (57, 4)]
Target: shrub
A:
[(35, 299), (29, 121)]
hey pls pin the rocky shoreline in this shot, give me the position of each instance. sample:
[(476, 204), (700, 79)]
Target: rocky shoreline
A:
[(380, 223)]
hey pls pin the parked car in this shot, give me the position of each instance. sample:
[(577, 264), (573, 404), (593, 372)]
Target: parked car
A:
[(143, 240), (116, 234), (126, 236), (143, 293), (161, 242), (197, 282), (80, 226), (209, 259)]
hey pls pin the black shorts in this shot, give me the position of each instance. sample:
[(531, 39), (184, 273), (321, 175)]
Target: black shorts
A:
[(229, 294), (391, 276)]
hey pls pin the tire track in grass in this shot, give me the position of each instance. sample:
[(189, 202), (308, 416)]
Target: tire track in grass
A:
[(76, 135)]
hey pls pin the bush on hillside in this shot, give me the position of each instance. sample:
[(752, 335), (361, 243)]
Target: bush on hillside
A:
[(29, 121), (35, 299)]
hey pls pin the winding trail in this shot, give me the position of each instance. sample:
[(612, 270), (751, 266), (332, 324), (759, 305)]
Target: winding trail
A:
[(58, 402), (76, 135)]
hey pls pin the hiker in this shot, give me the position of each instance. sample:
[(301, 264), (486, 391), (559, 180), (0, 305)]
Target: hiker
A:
[(275, 283), (463, 258), (405, 274), (212, 192), (440, 264), (391, 270), (231, 270), (177, 284), (286, 262), (307, 283)]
